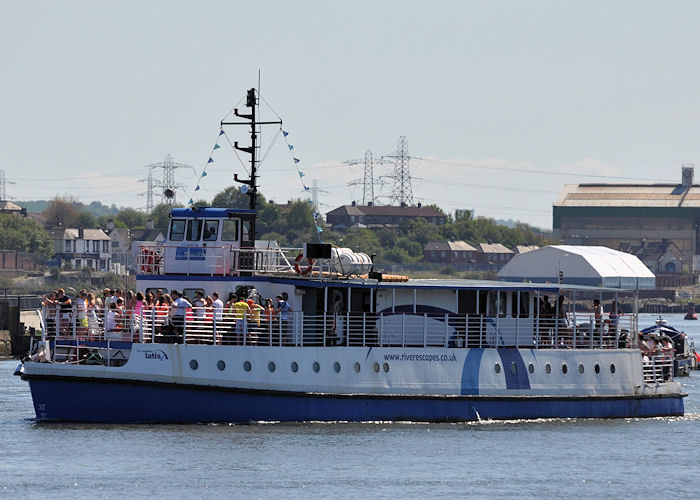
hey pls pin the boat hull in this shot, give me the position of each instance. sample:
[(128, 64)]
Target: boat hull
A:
[(95, 400)]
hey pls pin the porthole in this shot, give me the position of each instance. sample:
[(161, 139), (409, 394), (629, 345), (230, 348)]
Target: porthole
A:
[(295, 366), (597, 368), (336, 367), (564, 368), (247, 366), (548, 368), (612, 368), (497, 368), (221, 365), (513, 368), (581, 369), (357, 367), (531, 368), (386, 367), (193, 364), (316, 366), (376, 367), (271, 366)]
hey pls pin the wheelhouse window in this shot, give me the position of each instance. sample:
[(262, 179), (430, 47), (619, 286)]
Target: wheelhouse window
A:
[(211, 230), (229, 230), (177, 230), (245, 230), (194, 229)]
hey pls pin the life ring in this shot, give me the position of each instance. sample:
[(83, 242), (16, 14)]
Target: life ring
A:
[(297, 267)]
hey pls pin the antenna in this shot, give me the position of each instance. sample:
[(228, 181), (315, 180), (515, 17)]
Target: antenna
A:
[(252, 103)]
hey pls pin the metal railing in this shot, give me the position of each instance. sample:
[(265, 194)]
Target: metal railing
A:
[(214, 260), (207, 326), (657, 368)]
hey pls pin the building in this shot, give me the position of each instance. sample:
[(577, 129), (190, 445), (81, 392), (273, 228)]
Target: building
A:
[(380, 216), (449, 252), (7, 207), (634, 216), (579, 265), (120, 246), (82, 248), (494, 255)]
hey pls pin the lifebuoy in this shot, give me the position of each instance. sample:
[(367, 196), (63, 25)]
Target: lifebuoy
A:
[(297, 267)]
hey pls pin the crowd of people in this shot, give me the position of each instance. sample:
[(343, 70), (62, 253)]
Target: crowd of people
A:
[(121, 315)]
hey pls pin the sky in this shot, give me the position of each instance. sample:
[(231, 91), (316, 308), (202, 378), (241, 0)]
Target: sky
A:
[(502, 103)]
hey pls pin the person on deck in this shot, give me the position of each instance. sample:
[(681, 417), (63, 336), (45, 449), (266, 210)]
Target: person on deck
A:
[(242, 313)]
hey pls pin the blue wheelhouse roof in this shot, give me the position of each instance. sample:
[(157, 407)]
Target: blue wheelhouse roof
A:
[(222, 213)]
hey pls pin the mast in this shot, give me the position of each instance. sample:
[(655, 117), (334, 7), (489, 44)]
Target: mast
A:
[(252, 103)]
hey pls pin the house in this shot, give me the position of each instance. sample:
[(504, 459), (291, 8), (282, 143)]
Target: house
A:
[(661, 257), (82, 248), (377, 217), (120, 246), (520, 249), (494, 255), (449, 252), (7, 207)]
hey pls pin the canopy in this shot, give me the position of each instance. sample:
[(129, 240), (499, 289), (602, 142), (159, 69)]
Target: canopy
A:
[(580, 265)]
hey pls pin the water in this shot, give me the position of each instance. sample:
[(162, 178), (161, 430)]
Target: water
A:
[(544, 458)]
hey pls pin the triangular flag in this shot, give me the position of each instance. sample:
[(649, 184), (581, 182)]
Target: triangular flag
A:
[(197, 188), (216, 146), (319, 229), (204, 174), (306, 188), (211, 160), (285, 133), (301, 174), (222, 132), (290, 147), (296, 160), (190, 202)]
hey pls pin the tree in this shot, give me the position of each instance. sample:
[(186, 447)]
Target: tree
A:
[(87, 220), (132, 218), (62, 212), (231, 197), (24, 235)]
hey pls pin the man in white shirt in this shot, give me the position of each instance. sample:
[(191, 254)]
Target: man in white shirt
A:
[(218, 306), (178, 309)]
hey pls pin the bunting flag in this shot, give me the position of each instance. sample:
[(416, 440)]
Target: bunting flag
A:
[(204, 170), (307, 189)]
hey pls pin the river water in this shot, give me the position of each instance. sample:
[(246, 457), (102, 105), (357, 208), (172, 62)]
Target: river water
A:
[(543, 458)]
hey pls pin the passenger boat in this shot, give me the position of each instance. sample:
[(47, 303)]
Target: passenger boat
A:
[(355, 344)]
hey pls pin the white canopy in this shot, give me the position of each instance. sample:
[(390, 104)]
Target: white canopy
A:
[(579, 265)]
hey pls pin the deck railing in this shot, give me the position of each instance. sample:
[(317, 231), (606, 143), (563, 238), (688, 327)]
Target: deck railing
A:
[(213, 260), (205, 326)]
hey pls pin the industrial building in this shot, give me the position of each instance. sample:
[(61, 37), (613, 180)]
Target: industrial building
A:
[(659, 223)]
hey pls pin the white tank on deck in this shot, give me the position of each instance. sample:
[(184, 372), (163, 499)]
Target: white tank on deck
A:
[(345, 261)]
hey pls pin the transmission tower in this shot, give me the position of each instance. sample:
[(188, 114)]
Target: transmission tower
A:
[(402, 194), (368, 178), (3, 182), (168, 185)]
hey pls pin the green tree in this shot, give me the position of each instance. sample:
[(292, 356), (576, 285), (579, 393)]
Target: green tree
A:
[(62, 212), (132, 218), (87, 220), (24, 235)]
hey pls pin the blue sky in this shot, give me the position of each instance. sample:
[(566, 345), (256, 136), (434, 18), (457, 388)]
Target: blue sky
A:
[(501, 102)]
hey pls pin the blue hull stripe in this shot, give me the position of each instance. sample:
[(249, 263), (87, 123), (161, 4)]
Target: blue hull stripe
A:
[(68, 400), (470, 372), (519, 379)]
